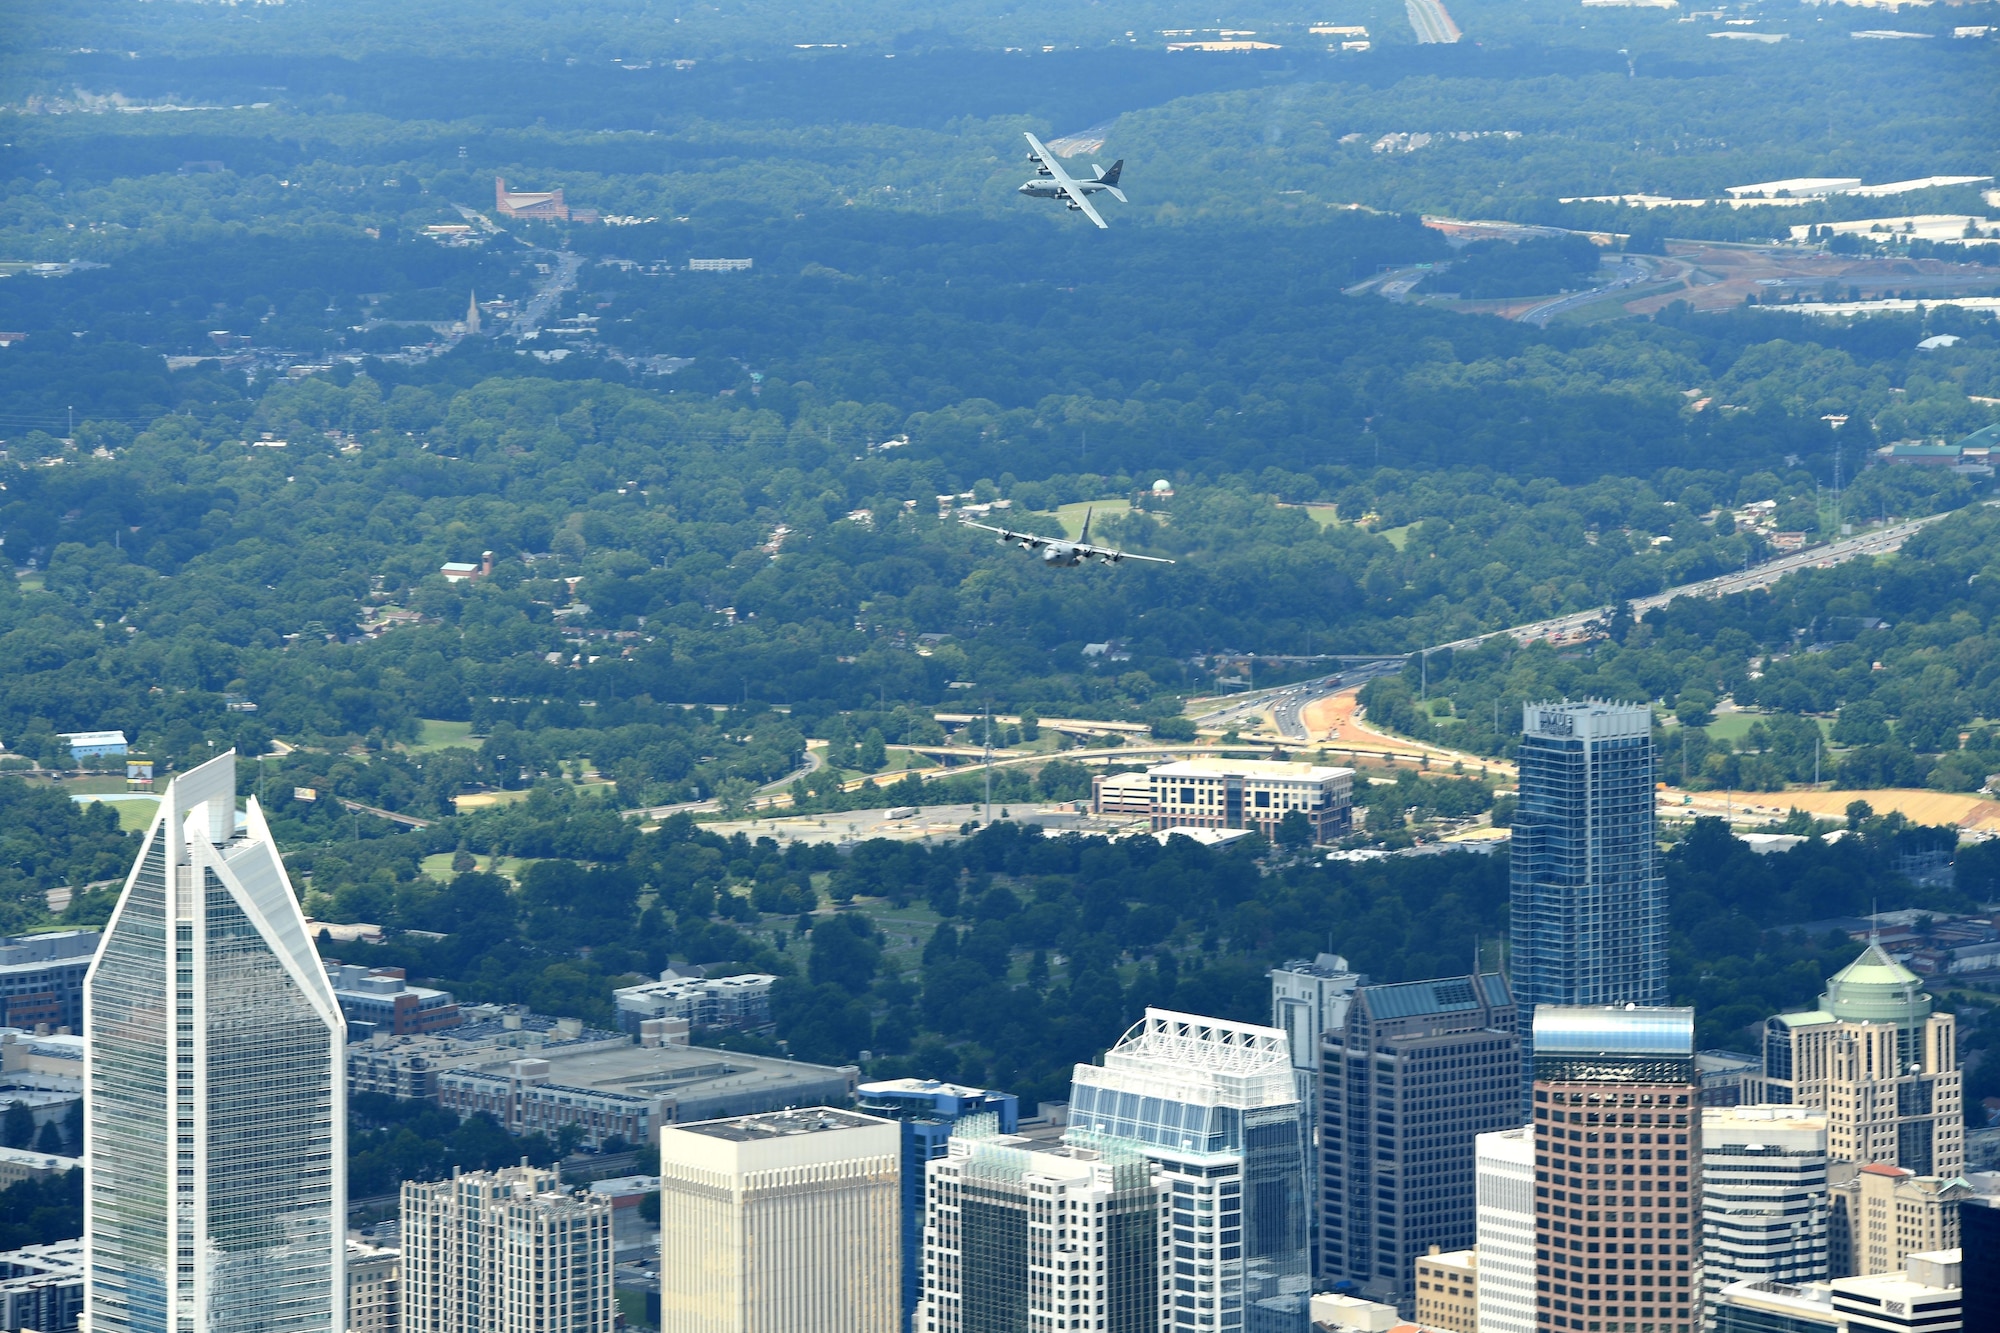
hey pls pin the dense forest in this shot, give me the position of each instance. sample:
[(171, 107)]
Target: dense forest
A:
[(244, 422)]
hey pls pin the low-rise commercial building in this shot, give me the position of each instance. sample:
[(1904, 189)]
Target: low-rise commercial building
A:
[(407, 1067), (381, 1000), (1926, 1295), (19, 1164), (1121, 794), (41, 1287), (628, 1092), (41, 979), (704, 1002), (1252, 794)]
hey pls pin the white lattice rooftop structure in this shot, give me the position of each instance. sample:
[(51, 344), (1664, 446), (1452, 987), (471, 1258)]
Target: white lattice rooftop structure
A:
[(1211, 1061)]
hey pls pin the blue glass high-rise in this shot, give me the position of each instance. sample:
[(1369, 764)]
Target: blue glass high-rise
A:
[(928, 1111), (1215, 1105), (1589, 914)]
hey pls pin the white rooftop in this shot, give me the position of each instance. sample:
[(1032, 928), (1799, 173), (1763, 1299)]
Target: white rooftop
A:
[(1797, 186), (1270, 769), (93, 737)]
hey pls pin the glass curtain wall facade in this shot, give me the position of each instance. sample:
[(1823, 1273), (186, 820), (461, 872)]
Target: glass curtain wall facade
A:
[(214, 1088), (1215, 1105), (1589, 911), (928, 1112), (1023, 1236)]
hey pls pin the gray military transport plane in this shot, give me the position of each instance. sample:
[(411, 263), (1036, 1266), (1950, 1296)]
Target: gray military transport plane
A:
[(1062, 553), (1052, 182)]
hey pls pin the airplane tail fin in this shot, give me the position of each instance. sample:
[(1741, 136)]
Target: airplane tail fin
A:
[(1084, 536), (1110, 177)]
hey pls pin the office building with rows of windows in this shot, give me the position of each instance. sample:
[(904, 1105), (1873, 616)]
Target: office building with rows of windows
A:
[(1254, 794), (1881, 1060), (1032, 1236), (1617, 1137), (1215, 1106), (1589, 910), (215, 1112), (507, 1251), (1417, 1072), (786, 1222)]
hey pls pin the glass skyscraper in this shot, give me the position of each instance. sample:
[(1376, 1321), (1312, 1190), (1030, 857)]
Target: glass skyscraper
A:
[(214, 1088), (1589, 905), (1215, 1105), (929, 1113)]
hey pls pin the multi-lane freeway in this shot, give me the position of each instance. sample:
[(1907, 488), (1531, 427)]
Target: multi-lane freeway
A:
[(1628, 273), (1879, 542)]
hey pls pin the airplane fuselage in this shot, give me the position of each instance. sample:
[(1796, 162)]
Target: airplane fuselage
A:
[(1048, 189)]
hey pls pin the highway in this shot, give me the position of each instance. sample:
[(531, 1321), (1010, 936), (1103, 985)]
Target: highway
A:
[(1432, 22), (1880, 542), (1630, 273)]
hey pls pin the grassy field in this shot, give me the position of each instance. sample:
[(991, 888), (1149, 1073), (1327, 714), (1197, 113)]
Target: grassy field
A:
[(480, 799), (1397, 537), (1735, 726), (438, 735), (134, 816), (438, 866), (1071, 516)]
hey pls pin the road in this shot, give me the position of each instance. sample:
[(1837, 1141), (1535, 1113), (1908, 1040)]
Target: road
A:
[(1287, 711), (813, 764), (1880, 542), (1432, 22), (1630, 273), (548, 296), (410, 821)]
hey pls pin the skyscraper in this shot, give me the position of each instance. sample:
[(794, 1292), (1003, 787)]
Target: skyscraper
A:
[(1881, 1060), (928, 1112), (214, 1088), (1506, 1232), (1023, 1235), (507, 1251), (1589, 915), (1417, 1072), (786, 1222), (1764, 1210), (1215, 1106), (1308, 999), (1617, 1134)]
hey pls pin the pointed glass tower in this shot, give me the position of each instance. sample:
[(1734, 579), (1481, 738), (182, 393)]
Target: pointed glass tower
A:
[(214, 1088)]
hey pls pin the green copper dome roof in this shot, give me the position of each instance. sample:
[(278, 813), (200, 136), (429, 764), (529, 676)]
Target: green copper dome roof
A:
[(1875, 988)]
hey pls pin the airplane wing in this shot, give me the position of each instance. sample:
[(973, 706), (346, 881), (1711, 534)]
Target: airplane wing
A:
[(1026, 540), (1111, 557), (1065, 180)]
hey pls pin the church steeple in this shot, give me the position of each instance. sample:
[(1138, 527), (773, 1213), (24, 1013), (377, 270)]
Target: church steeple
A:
[(472, 313)]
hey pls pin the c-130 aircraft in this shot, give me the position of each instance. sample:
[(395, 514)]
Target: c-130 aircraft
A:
[(1060, 552), (1054, 183)]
